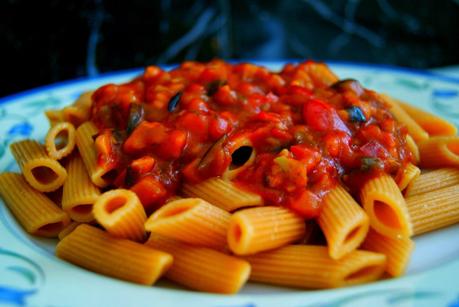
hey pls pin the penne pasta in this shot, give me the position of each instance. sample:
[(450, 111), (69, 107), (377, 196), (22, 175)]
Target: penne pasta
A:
[(440, 151), (386, 207), (202, 268), (242, 155), (414, 129), (223, 194), (344, 223), (410, 173), (413, 148), (121, 213), (54, 117), (434, 209), (258, 229), (397, 251), (309, 266), (85, 143), (34, 211), (40, 171), (191, 220), (60, 140), (433, 180), (97, 251), (67, 230), (432, 124), (79, 112), (79, 193)]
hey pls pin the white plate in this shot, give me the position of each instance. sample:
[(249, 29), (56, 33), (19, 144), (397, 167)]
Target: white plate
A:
[(30, 274)]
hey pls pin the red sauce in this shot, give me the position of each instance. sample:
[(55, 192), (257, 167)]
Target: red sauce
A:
[(309, 132)]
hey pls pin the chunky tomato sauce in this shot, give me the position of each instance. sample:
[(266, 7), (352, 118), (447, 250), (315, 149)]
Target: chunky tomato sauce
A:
[(307, 130)]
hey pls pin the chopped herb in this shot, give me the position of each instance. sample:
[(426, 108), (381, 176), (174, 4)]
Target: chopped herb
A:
[(370, 163), (213, 86), (356, 115), (174, 101), (136, 113)]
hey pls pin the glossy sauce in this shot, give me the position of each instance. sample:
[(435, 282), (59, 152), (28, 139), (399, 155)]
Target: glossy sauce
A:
[(309, 132)]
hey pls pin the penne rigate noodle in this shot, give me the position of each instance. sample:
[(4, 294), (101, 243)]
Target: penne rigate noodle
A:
[(191, 220), (97, 251), (202, 268), (258, 229), (54, 117), (67, 230), (121, 213), (242, 155), (223, 194), (344, 223), (435, 209), (409, 175), (433, 180), (79, 112), (431, 123), (414, 129), (397, 251), (34, 211), (310, 266), (41, 172), (60, 140), (79, 193), (413, 148), (386, 207), (440, 151), (85, 143)]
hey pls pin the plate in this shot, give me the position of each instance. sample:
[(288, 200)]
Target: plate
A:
[(31, 275)]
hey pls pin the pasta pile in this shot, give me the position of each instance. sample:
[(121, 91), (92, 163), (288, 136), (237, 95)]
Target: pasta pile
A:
[(215, 236)]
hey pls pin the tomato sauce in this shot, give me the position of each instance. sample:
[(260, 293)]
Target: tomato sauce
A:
[(309, 131)]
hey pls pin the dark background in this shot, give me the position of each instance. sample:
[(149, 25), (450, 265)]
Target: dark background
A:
[(48, 41)]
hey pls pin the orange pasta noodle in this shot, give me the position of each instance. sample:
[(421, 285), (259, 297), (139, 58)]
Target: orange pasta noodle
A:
[(79, 112), (397, 251), (202, 268), (223, 194), (440, 151), (34, 211), (40, 171), (54, 116), (258, 229), (60, 140), (85, 143), (242, 155), (414, 129), (67, 230), (121, 213), (386, 207), (433, 180), (191, 220), (310, 266), (413, 148), (79, 193), (409, 175), (431, 123), (435, 209), (344, 223), (97, 251)]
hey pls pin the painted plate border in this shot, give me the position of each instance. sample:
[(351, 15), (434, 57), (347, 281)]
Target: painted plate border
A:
[(40, 279)]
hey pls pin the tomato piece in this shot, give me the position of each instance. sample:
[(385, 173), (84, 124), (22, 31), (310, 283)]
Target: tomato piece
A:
[(218, 126), (150, 191), (172, 147), (145, 135), (321, 116), (306, 204)]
